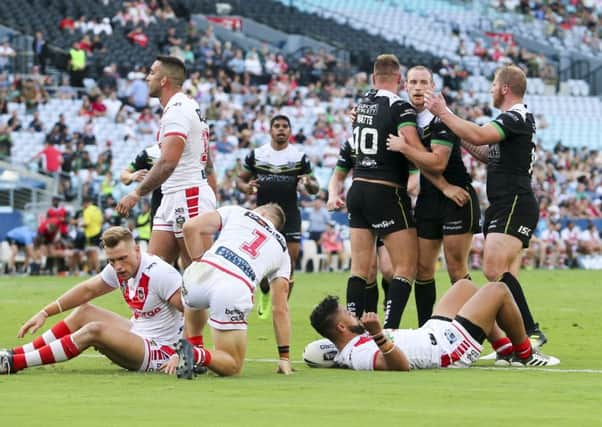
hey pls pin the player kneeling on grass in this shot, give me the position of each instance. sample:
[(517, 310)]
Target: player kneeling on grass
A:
[(151, 289), (441, 342), (218, 287)]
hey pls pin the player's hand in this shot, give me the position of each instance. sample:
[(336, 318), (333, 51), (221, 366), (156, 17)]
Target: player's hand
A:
[(396, 143), (457, 194), (33, 324), (127, 203), (252, 186), (435, 103), (170, 366), (139, 176), (353, 115), (335, 203), (371, 323), (284, 367)]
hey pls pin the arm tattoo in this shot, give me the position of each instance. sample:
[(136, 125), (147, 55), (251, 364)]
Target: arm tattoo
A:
[(155, 177), (480, 153)]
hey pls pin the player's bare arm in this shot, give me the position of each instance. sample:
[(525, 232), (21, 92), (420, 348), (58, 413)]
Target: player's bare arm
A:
[(127, 176), (210, 171), (195, 228), (390, 357), (481, 153), (74, 297), (310, 183), (246, 183), (335, 188), (279, 288), (434, 161), (171, 151), (468, 131)]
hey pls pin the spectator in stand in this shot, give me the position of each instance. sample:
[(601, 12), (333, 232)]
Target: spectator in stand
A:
[(49, 160), (319, 218), (77, 65), (99, 109), (67, 24), (590, 242), (147, 123), (137, 36), (7, 55), (137, 92), (570, 238), (170, 41), (40, 51), (36, 124), (331, 244), (107, 83), (14, 122)]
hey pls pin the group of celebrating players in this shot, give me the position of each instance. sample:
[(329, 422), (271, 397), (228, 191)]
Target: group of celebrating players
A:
[(259, 247)]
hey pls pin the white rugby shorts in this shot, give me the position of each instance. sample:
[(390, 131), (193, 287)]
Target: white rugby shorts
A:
[(155, 355), (177, 207), (457, 347), (226, 293)]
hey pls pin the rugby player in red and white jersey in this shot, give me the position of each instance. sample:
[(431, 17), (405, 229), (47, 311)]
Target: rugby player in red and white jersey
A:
[(218, 288), (453, 336), (184, 170), (150, 287)]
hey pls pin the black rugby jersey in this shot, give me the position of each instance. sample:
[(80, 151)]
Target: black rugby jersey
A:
[(379, 114), (346, 160), (145, 160), (433, 131), (511, 160), (277, 172)]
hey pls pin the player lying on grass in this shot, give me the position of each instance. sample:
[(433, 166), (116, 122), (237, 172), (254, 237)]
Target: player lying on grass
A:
[(151, 289), (441, 342)]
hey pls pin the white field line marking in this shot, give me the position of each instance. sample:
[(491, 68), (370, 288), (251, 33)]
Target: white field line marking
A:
[(483, 368)]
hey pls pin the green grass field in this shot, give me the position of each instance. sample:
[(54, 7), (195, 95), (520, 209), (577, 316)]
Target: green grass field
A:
[(90, 391)]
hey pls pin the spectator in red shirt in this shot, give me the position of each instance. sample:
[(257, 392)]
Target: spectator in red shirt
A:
[(50, 158), (67, 23), (138, 37)]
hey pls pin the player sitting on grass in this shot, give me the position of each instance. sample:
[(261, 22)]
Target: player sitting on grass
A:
[(441, 342), (150, 287)]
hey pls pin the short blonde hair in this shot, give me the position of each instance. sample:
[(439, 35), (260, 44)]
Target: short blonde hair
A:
[(114, 235), (514, 77), (386, 66), (278, 213)]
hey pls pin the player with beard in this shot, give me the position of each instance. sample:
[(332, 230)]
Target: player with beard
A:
[(183, 170), (272, 173), (506, 145), (438, 219), (452, 337)]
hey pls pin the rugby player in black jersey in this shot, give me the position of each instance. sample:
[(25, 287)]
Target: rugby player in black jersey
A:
[(438, 218), (272, 172), (377, 202), (506, 145)]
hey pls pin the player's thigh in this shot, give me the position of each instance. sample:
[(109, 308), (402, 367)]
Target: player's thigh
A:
[(233, 342), (164, 244), (456, 248), (428, 252), (122, 347), (402, 246), (362, 249), (499, 252), (455, 297), (87, 313), (384, 260), (482, 308)]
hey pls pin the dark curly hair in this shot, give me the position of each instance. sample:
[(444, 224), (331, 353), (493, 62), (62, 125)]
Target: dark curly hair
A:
[(322, 316)]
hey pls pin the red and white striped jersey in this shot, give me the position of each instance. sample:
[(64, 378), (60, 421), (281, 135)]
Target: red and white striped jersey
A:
[(182, 117), (147, 295), (250, 245)]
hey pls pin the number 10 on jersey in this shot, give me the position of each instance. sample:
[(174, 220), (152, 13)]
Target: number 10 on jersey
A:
[(365, 140)]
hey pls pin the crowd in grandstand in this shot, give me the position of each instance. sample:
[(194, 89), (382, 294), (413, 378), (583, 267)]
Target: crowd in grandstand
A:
[(239, 91)]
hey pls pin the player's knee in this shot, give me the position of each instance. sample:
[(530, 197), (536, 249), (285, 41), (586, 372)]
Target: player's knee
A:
[(425, 271), (93, 331), (492, 270), (82, 312)]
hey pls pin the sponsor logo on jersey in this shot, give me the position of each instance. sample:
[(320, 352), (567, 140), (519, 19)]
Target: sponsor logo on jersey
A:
[(235, 315), (239, 262), (525, 231), (450, 336)]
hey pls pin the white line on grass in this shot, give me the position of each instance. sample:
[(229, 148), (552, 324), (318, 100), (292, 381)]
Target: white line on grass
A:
[(483, 368)]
